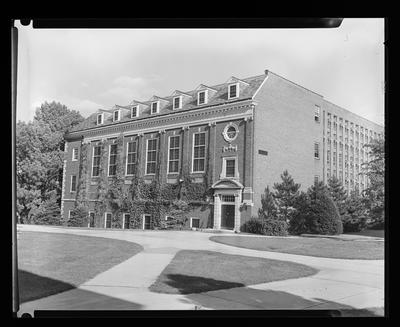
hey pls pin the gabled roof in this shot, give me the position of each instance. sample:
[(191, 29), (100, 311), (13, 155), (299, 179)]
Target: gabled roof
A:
[(155, 97), (202, 87), (233, 79), (177, 92), (135, 102)]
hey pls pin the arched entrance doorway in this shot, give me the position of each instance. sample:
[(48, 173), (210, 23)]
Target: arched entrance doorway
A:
[(227, 199)]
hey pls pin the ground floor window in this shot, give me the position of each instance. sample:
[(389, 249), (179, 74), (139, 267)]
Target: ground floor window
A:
[(107, 220), (91, 219), (127, 218), (146, 221), (194, 222)]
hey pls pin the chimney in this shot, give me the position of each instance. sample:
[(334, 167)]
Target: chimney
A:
[(266, 72)]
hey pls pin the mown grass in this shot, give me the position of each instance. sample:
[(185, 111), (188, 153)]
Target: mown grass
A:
[(51, 263), (309, 246), (203, 271)]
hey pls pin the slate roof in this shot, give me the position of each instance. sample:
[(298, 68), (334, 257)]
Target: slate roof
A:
[(220, 97)]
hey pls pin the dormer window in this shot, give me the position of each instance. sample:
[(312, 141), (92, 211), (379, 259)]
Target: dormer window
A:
[(116, 115), (134, 112), (233, 91), (177, 102), (202, 97), (100, 119), (154, 107)]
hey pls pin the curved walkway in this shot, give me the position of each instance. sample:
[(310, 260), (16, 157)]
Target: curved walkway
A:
[(345, 284)]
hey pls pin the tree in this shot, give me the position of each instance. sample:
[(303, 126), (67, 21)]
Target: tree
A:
[(374, 169), (268, 208), (355, 217), (39, 157), (322, 214), (48, 212), (285, 195), (338, 194), (298, 224)]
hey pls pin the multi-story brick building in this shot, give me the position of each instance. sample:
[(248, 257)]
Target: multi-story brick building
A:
[(234, 139)]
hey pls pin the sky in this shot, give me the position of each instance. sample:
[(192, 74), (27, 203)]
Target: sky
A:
[(90, 69)]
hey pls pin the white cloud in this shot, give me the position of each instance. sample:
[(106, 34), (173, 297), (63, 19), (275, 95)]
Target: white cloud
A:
[(87, 107)]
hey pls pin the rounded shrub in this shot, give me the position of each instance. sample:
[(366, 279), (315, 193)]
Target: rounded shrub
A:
[(271, 227), (323, 216)]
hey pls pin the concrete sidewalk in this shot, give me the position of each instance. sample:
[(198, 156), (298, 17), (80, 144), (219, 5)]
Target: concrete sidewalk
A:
[(345, 284)]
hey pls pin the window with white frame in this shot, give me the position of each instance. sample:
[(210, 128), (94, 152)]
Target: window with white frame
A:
[(317, 113), (73, 183), (194, 222), (116, 115), (154, 107), (91, 219), (127, 218), (229, 167), (100, 118), (131, 158), (69, 214), (134, 112), (177, 102), (96, 161), (173, 154), (112, 160), (202, 97), (233, 91), (74, 154), (316, 150), (107, 220), (199, 152), (151, 158)]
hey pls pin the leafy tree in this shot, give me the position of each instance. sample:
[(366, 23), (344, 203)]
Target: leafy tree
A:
[(79, 216), (338, 194), (355, 217), (48, 212), (285, 195), (374, 169), (298, 224), (39, 157), (268, 206)]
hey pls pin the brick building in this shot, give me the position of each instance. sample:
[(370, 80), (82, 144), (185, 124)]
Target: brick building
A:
[(232, 139)]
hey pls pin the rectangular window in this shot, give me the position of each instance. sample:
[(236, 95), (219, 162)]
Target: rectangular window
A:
[(316, 177), (173, 154), (96, 161), (116, 115), (91, 219), (107, 220), (99, 119), (151, 158), (228, 198), (69, 213), (199, 152), (317, 113), (230, 168), (194, 222), (232, 91), (127, 218), (154, 107), (177, 102), (131, 158), (74, 154), (112, 162), (134, 112), (316, 150), (201, 97), (73, 183)]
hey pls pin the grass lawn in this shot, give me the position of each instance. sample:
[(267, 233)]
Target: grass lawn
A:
[(203, 271), (370, 232), (311, 246), (51, 263)]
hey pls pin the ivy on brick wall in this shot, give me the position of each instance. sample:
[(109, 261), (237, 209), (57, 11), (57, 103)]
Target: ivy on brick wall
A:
[(100, 204)]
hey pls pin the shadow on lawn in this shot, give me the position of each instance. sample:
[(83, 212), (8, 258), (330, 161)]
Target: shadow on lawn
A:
[(194, 284), (33, 287), (245, 298)]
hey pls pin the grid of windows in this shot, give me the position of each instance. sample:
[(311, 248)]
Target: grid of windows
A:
[(201, 97), (177, 102), (134, 112), (199, 152), (154, 107), (96, 161), (112, 163), (151, 161), (316, 150), (131, 158), (174, 152)]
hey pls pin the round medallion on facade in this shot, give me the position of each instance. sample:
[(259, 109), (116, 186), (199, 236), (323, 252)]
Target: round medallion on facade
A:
[(230, 132)]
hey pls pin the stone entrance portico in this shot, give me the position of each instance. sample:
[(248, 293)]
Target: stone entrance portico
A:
[(227, 192)]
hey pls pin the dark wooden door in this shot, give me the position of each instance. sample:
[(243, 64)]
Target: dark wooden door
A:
[(228, 216)]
